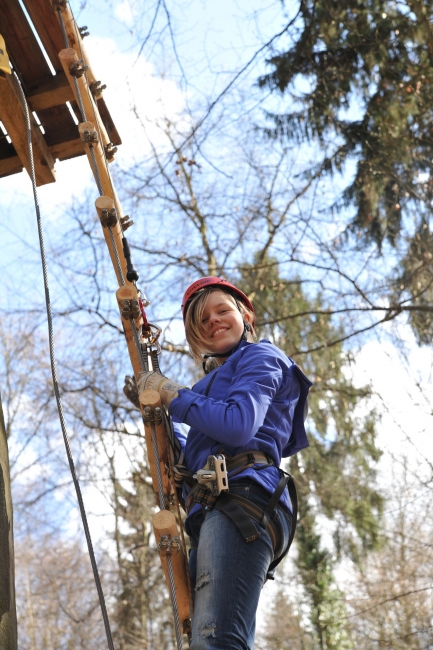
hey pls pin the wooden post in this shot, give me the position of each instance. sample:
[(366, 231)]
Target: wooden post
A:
[(152, 399), (8, 617), (129, 292), (107, 203), (164, 524), (74, 37), (69, 58)]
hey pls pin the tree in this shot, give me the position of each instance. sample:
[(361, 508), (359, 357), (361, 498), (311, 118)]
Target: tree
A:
[(336, 475), (8, 617), (368, 68), (391, 600)]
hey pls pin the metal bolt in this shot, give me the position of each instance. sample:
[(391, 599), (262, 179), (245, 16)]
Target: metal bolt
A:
[(110, 150), (96, 89), (90, 136), (78, 68)]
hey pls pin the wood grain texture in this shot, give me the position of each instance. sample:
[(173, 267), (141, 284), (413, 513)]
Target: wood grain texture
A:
[(12, 114)]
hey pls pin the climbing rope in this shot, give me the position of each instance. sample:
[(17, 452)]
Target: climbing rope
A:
[(55, 379)]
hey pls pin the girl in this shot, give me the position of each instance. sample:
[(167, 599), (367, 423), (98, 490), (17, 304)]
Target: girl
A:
[(250, 409)]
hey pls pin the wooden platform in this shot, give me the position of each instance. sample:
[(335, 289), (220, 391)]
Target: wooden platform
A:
[(46, 93)]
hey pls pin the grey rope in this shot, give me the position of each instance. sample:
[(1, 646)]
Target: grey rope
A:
[(55, 379)]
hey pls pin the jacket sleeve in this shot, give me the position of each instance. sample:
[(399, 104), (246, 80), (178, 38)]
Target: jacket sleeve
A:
[(237, 418)]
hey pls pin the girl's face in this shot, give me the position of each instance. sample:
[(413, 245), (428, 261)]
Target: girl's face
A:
[(222, 323)]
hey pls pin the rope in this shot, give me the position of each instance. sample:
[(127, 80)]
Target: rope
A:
[(55, 380)]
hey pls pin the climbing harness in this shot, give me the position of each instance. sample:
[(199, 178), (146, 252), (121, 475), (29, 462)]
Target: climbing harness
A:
[(211, 490)]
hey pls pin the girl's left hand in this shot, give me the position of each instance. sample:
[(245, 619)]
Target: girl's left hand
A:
[(167, 389)]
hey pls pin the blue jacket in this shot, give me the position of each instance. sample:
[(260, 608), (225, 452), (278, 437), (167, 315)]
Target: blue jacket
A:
[(255, 403)]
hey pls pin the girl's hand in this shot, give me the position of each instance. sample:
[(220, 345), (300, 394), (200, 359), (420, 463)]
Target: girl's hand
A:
[(167, 389)]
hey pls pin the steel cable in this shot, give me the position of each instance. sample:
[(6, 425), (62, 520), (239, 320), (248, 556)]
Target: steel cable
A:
[(55, 380)]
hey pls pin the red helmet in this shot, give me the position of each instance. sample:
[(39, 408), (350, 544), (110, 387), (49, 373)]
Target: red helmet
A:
[(212, 281)]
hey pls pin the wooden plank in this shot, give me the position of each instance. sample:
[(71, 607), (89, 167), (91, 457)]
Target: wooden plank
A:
[(23, 48), (47, 26), (69, 149), (10, 166), (33, 70), (52, 92), (13, 117), (106, 118)]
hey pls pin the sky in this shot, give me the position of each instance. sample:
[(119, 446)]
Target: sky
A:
[(213, 41)]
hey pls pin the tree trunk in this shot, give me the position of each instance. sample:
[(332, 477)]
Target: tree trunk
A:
[(8, 618)]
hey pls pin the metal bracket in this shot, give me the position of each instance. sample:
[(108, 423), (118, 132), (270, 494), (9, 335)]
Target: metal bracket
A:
[(108, 218), (168, 544), (78, 68), (152, 416), (110, 150), (83, 31), (59, 5), (96, 89), (214, 474), (89, 137), (130, 309), (125, 223)]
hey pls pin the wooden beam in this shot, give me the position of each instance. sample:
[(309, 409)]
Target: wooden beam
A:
[(62, 151), (68, 58), (10, 166), (68, 149), (52, 92), (12, 114)]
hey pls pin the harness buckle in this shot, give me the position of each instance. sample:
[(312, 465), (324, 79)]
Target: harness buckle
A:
[(214, 475)]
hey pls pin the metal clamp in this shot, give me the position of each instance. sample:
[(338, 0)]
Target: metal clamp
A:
[(130, 309), (108, 218), (96, 89), (169, 544), (83, 31), (78, 68), (90, 137), (110, 150), (150, 416), (214, 474), (60, 5), (125, 222)]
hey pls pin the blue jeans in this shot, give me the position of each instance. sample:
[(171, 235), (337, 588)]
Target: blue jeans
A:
[(227, 573)]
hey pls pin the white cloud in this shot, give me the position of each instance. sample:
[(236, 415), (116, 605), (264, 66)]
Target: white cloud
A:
[(123, 13)]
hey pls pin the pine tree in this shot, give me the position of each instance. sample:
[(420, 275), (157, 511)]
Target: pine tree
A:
[(335, 476), (369, 69)]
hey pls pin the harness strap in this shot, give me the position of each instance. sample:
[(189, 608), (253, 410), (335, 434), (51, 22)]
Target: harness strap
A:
[(228, 504), (294, 499), (273, 501)]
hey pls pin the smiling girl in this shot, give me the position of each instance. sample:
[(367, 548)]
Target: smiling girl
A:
[(249, 409)]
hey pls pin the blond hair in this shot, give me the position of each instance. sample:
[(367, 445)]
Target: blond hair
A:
[(194, 330)]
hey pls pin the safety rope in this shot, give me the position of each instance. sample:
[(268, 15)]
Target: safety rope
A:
[(54, 376)]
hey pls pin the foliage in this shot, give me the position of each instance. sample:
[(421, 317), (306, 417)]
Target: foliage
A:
[(366, 97)]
